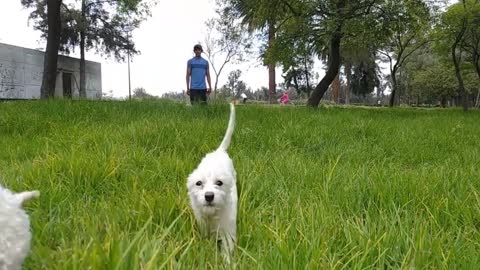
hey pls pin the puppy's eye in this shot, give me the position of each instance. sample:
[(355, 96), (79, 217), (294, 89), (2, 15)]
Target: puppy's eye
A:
[(199, 183), (219, 183)]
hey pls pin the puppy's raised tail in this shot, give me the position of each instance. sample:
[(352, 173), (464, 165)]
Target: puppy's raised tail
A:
[(231, 125), (27, 195)]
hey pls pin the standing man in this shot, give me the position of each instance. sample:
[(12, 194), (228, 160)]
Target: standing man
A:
[(197, 70)]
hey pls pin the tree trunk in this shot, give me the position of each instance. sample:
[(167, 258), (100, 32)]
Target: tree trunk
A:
[(461, 86), (443, 102), (295, 82), (82, 91), (336, 89), (348, 75), (477, 101), (332, 71), (217, 74), (215, 86), (307, 78), (49, 77), (476, 63), (458, 74), (394, 88), (271, 66)]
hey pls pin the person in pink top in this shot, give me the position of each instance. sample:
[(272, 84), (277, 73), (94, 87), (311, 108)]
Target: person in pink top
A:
[(284, 99)]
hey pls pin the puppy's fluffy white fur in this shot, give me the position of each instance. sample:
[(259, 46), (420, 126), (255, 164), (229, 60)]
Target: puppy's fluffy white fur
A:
[(213, 192), (15, 233)]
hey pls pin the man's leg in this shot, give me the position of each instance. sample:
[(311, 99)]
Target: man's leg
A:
[(194, 97), (198, 96), (203, 97)]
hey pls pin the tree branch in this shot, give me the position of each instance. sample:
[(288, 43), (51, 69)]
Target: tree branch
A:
[(412, 51), (99, 2)]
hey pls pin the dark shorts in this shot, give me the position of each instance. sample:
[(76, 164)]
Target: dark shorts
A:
[(198, 96)]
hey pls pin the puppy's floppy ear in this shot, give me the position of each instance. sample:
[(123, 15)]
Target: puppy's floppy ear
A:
[(27, 195)]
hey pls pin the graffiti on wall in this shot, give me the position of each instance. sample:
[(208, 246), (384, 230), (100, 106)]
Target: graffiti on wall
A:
[(12, 91), (11, 75), (15, 77), (11, 82), (34, 77)]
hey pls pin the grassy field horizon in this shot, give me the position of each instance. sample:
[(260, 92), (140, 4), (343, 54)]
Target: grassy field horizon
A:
[(327, 188)]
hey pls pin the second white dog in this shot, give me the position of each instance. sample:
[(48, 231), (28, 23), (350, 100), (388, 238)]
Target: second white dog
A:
[(213, 193), (15, 233)]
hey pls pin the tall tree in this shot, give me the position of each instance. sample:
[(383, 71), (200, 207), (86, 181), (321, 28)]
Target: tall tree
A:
[(266, 16), (365, 77), (51, 9), (293, 50), (435, 83), (324, 25), (359, 62), (331, 21), (227, 39), (471, 41), (234, 82), (452, 33), (407, 22)]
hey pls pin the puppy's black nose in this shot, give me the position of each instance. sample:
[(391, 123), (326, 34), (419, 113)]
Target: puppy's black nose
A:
[(209, 196)]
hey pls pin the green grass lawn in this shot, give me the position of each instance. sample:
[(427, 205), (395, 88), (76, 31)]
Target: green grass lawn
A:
[(333, 188)]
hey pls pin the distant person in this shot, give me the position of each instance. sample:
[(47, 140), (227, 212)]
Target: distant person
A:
[(197, 71), (244, 98), (285, 99)]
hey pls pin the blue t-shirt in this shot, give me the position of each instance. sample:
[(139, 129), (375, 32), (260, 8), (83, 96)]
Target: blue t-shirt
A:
[(199, 68)]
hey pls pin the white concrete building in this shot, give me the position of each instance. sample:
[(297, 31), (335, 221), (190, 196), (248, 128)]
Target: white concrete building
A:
[(21, 71)]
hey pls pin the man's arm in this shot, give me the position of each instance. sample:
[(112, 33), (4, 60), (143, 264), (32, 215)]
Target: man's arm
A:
[(189, 72), (209, 90)]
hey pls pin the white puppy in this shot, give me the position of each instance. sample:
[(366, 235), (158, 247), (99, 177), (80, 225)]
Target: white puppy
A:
[(213, 193), (15, 233)]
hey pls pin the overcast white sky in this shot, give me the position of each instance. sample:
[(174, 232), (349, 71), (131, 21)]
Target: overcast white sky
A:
[(165, 40)]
